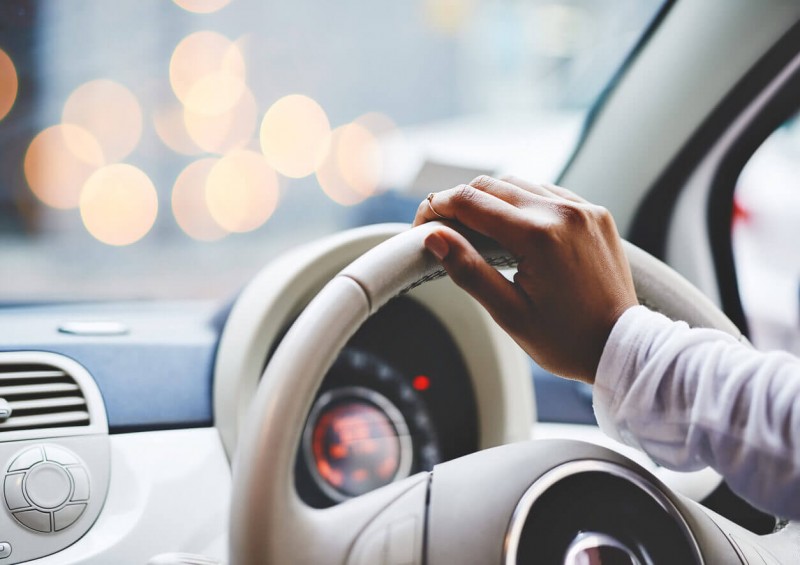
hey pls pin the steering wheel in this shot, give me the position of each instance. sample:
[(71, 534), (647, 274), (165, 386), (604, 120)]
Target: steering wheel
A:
[(481, 508)]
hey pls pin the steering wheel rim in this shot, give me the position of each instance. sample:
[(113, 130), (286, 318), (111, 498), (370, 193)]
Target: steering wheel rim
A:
[(269, 523)]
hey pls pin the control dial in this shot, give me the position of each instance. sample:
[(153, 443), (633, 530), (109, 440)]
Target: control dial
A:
[(46, 488)]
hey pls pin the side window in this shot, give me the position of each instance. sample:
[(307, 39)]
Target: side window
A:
[(766, 240)]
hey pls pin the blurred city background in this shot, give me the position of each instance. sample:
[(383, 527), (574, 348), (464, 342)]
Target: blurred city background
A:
[(171, 148)]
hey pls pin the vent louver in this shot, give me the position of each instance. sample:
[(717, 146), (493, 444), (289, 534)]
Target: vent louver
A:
[(41, 397)]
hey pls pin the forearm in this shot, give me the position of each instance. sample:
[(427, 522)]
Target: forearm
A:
[(691, 398)]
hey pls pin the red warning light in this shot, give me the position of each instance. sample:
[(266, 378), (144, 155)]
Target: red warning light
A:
[(421, 382)]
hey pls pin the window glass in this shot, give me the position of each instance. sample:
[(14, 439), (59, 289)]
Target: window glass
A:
[(170, 148), (766, 234)]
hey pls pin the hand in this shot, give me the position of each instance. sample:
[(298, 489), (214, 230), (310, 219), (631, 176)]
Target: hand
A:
[(573, 281)]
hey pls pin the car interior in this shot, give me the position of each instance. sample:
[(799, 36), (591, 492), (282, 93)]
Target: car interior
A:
[(345, 401)]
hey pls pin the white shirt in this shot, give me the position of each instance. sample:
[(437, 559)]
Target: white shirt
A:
[(692, 398)]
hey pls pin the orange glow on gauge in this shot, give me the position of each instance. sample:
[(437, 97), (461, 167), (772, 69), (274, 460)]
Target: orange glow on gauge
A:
[(58, 162), (295, 135), (9, 84), (241, 191), (119, 204), (207, 73), (202, 6), (110, 112), (334, 477), (355, 447), (189, 202), (387, 468)]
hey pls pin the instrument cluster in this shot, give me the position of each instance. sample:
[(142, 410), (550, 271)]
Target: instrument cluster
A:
[(398, 400)]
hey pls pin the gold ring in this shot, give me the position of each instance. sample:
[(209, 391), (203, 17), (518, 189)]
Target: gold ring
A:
[(430, 205)]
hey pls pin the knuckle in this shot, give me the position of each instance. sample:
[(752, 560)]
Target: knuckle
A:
[(601, 216), (573, 216), (482, 181), (463, 194), (602, 213)]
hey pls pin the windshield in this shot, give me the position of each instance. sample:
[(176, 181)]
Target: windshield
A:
[(170, 149)]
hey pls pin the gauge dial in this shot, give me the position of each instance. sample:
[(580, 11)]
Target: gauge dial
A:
[(355, 441)]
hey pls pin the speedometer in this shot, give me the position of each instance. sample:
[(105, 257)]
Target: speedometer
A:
[(367, 428), (355, 441)]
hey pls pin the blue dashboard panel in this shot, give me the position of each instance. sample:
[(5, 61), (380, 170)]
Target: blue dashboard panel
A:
[(158, 375), (561, 400)]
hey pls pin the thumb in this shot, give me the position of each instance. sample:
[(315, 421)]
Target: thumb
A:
[(469, 270)]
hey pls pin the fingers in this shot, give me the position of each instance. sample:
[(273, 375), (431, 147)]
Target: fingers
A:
[(469, 270), (543, 189), (477, 210), (514, 194), (507, 212)]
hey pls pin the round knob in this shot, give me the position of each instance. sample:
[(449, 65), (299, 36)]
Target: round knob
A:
[(48, 485)]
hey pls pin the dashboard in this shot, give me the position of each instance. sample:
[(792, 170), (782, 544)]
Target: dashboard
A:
[(121, 420)]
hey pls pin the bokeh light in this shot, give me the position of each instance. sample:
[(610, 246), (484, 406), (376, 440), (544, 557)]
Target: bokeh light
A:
[(392, 147), (214, 93), (222, 132), (295, 135), (377, 123), (58, 161), (448, 16), (170, 126), (189, 202), (119, 204), (351, 171), (241, 191), (110, 112), (359, 159), (202, 6), (207, 72), (8, 84)]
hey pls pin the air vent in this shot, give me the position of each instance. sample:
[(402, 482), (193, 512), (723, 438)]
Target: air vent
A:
[(43, 394)]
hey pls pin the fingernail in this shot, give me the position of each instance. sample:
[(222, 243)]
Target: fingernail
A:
[(437, 245)]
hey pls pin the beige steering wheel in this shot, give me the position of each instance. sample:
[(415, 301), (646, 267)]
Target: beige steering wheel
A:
[(269, 522)]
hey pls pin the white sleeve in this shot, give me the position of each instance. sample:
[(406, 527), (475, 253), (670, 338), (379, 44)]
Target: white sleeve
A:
[(692, 398)]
